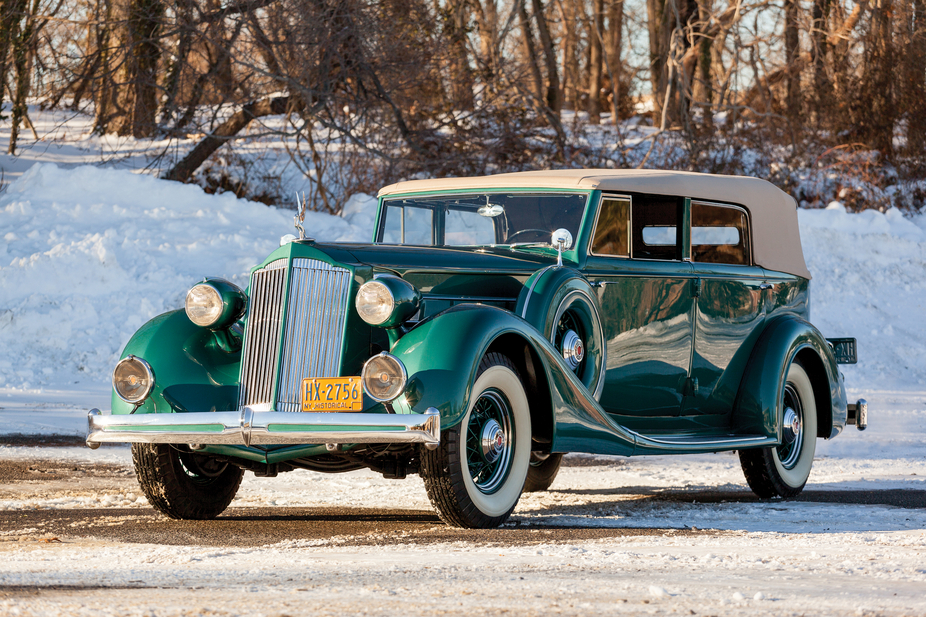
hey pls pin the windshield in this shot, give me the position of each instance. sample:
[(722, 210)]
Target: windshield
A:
[(480, 219)]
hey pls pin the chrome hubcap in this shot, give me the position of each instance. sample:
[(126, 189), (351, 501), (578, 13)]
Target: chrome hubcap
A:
[(493, 441), (792, 435), (489, 435), (573, 349), (792, 426)]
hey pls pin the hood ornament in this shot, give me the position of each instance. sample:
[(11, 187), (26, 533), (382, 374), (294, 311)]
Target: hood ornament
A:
[(299, 219)]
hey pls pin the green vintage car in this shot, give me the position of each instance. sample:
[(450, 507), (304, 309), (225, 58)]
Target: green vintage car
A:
[(493, 325)]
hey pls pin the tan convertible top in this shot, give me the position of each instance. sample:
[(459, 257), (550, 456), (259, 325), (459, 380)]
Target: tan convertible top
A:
[(775, 235)]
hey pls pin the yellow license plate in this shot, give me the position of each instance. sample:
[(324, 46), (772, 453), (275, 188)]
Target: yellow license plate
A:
[(332, 394)]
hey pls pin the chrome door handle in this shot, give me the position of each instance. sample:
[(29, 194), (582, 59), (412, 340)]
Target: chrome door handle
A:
[(766, 286)]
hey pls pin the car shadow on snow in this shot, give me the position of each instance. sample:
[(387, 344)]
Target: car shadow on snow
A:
[(901, 498)]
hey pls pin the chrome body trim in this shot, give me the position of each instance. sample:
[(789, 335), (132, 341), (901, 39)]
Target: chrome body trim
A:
[(248, 427), (530, 290), (687, 440)]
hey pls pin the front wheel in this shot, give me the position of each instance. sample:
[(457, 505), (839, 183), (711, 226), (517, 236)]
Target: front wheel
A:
[(184, 485), (475, 478), (782, 471)]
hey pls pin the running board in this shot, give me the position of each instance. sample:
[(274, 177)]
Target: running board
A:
[(654, 444)]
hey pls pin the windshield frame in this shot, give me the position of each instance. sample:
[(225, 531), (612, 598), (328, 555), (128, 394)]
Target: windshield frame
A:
[(384, 202)]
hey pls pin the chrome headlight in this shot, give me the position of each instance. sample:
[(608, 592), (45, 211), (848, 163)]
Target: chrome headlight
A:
[(383, 377), (387, 301), (215, 304), (133, 379)]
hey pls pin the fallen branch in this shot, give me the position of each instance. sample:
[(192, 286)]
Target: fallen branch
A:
[(227, 131)]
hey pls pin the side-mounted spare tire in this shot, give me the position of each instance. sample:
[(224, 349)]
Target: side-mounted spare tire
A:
[(561, 304)]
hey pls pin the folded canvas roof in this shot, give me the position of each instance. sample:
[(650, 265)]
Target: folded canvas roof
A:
[(775, 235)]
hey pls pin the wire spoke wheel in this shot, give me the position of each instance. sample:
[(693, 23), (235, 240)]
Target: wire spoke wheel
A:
[(488, 441), (475, 478), (783, 470)]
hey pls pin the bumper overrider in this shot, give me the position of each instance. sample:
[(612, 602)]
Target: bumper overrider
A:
[(248, 427)]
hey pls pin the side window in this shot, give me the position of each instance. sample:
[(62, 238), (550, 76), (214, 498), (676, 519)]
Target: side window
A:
[(467, 227), (655, 232), (408, 226), (719, 234), (612, 233)]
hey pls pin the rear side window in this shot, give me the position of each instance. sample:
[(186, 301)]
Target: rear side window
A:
[(655, 230), (719, 234), (612, 233)]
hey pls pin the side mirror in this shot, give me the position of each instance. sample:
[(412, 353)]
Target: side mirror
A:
[(562, 241), (562, 236)]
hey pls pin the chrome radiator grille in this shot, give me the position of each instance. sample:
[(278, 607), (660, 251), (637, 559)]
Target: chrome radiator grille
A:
[(312, 338)]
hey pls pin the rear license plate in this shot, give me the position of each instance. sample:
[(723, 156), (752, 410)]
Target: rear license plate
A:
[(332, 394), (844, 349)]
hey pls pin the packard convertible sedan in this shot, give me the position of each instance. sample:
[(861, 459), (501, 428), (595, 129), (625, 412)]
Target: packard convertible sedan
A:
[(493, 325)]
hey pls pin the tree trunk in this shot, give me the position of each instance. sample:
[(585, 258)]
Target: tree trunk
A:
[(792, 53), (461, 84), (659, 24), (876, 112), (22, 61), (571, 76), (823, 85), (554, 95), (595, 61), (487, 27), (9, 28), (140, 21), (916, 83), (614, 42), (530, 50)]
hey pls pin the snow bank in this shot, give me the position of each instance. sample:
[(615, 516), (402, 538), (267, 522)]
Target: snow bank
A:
[(89, 254), (869, 282)]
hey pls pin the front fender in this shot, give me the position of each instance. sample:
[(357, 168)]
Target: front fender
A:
[(191, 371), (757, 407), (442, 355)]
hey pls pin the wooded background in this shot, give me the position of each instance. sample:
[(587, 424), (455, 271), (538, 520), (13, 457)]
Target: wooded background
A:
[(372, 91)]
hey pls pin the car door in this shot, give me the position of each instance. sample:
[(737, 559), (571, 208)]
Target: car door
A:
[(645, 293), (729, 306)]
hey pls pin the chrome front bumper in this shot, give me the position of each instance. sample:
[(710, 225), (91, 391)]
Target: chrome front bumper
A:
[(248, 427)]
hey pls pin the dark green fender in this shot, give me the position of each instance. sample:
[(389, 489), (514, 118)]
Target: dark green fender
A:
[(756, 410), (192, 371), (442, 355)]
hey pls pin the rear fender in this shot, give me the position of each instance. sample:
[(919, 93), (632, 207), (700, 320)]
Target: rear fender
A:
[(191, 370), (757, 409), (442, 355)]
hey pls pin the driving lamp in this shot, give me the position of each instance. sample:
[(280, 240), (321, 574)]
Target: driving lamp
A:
[(383, 377), (215, 304), (133, 379), (387, 301)]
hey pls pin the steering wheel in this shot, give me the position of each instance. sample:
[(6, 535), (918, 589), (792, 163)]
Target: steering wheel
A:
[(524, 231)]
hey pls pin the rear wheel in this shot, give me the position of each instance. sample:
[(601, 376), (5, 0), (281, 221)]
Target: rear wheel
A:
[(475, 478), (542, 471), (782, 471), (184, 485)]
